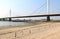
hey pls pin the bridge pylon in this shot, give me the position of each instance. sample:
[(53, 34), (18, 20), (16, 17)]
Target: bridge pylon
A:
[(10, 19), (48, 18)]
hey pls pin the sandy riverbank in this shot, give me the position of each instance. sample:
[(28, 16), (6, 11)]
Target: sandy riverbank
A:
[(44, 30)]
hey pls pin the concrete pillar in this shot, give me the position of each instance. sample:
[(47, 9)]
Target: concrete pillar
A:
[(48, 18), (10, 19), (3, 19)]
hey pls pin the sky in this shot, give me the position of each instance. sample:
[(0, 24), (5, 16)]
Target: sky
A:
[(27, 7)]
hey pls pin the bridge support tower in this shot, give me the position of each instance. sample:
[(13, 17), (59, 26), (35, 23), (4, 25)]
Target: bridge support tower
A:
[(10, 19), (48, 18)]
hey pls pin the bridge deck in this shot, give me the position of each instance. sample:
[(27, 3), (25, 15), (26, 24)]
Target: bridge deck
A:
[(46, 15), (35, 16)]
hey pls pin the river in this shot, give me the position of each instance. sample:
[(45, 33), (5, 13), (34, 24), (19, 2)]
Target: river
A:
[(6, 23)]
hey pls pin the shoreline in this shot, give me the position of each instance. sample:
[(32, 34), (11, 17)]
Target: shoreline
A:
[(27, 25)]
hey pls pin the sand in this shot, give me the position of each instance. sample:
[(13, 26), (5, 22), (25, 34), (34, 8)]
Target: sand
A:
[(46, 30)]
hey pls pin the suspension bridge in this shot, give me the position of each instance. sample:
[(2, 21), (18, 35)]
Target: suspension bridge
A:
[(30, 16)]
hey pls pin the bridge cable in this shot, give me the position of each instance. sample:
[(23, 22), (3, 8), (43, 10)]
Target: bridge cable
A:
[(39, 8)]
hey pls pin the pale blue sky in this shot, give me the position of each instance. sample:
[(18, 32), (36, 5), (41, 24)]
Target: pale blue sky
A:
[(27, 7)]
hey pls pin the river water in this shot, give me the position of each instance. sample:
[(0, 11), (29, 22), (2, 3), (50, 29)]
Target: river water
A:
[(6, 23)]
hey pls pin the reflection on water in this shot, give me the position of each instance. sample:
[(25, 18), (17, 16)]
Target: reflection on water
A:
[(6, 23)]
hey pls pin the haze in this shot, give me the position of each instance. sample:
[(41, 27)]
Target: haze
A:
[(27, 7)]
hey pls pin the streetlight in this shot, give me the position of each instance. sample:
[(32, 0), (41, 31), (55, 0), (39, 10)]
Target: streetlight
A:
[(10, 15), (10, 12)]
